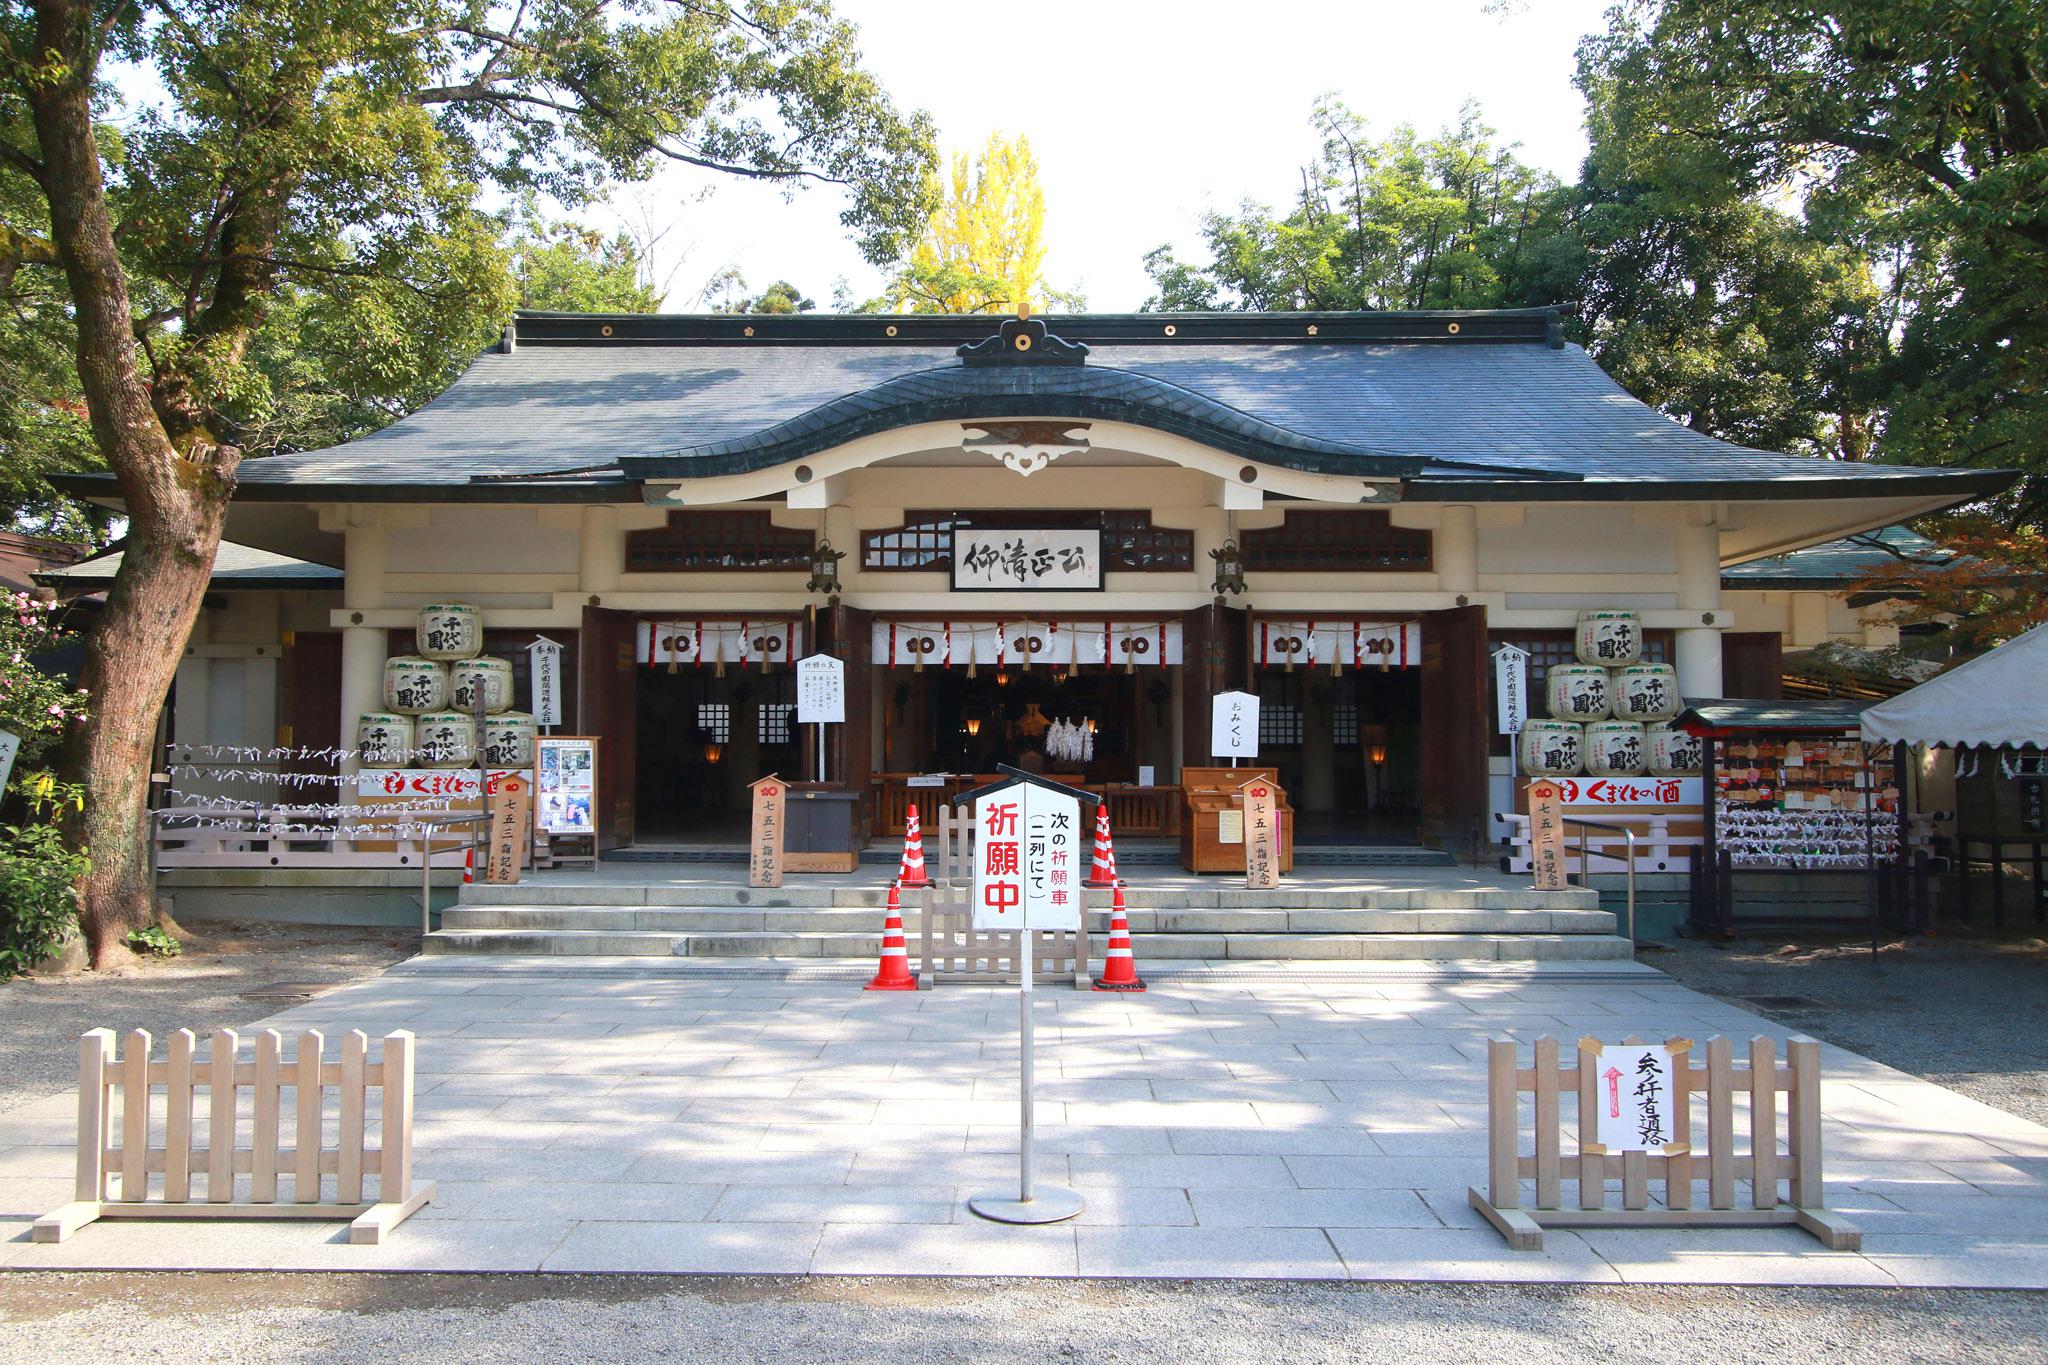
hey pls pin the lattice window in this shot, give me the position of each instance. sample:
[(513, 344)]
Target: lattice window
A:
[(1344, 724), (775, 722), (714, 721), (1130, 542), (1348, 542), (747, 542), (1281, 723)]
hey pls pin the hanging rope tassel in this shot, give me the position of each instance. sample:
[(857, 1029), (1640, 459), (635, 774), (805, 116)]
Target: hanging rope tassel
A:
[(673, 667), (718, 647)]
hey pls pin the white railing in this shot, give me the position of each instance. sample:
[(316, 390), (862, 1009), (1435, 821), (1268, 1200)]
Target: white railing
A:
[(1655, 847), (196, 835)]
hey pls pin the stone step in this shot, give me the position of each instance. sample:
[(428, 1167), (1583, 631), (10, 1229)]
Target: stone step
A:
[(1249, 947), (704, 896), (677, 920)]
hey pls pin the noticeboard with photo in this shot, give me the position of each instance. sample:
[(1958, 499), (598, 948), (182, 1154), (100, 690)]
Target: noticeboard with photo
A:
[(566, 776)]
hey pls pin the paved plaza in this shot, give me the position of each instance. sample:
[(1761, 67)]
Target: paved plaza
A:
[(1316, 1121)]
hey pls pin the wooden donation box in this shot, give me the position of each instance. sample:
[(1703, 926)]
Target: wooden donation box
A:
[(1212, 818), (821, 829)]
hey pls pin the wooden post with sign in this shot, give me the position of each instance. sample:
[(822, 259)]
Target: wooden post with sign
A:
[(1261, 835), (510, 800), (1546, 834), (764, 843)]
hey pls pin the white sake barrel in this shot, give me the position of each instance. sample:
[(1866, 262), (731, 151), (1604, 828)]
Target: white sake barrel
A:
[(450, 630), (1615, 748), (1550, 748), (1673, 752), (491, 676), (1577, 691), (508, 740), (445, 739), (414, 686), (1609, 636), (1646, 692), (384, 739)]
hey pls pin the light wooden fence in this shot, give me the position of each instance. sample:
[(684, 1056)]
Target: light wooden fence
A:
[(1765, 1165), (951, 949), (114, 1180)]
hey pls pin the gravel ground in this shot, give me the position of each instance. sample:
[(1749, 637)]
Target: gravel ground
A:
[(1965, 1010), (209, 986), (340, 1318)]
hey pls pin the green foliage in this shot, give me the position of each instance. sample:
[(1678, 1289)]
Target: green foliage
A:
[(727, 292), (34, 705), (299, 209), (38, 879), (1453, 221), (1913, 136), (565, 267), (154, 941)]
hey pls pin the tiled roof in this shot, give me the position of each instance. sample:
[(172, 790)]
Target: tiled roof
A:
[(1836, 563), (1372, 394), (234, 566)]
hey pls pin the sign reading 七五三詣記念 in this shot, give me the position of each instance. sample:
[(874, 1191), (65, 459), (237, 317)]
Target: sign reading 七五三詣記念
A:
[(820, 690), (1040, 560), (1261, 836), (764, 843), (1511, 687), (510, 826), (1025, 875), (544, 667), (1632, 1097), (1234, 725), (1546, 834)]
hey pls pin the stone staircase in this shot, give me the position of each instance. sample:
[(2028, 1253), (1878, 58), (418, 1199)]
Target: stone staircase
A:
[(825, 922)]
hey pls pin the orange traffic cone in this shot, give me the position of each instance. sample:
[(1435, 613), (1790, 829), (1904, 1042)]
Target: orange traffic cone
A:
[(894, 972), (1119, 968), (469, 865), (911, 873), (1102, 871)]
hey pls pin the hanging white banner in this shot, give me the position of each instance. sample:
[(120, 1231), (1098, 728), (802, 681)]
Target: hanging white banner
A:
[(951, 644), (1511, 687), (689, 643), (1353, 643)]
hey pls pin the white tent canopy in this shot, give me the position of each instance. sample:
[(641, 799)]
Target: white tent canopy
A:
[(1999, 698)]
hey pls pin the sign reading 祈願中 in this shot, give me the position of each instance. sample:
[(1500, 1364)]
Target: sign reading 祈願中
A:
[(1632, 1097), (1234, 725), (1004, 560), (1025, 876)]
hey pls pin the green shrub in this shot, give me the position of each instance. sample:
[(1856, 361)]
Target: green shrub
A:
[(154, 941), (38, 899)]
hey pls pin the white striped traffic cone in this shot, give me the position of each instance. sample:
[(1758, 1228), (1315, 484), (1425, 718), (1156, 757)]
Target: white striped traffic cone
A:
[(1102, 868), (1119, 968), (911, 873), (894, 972)]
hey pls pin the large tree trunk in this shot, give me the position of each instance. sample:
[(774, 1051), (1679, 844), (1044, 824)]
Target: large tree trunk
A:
[(175, 502)]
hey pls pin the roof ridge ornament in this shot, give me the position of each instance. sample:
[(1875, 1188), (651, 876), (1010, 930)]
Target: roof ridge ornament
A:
[(1023, 340)]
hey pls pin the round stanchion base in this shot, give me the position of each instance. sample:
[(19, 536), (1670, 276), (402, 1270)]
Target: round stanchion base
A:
[(1048, 1204)]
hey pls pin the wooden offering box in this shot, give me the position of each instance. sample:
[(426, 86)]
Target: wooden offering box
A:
[(1212, 818)]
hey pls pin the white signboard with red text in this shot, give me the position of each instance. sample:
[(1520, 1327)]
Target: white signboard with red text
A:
[(1026, 840), (1633, 1085), (1628, 791)]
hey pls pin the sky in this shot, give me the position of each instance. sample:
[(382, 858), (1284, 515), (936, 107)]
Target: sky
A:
[(1143, 113)]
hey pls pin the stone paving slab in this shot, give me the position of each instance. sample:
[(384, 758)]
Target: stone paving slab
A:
[(1240, 1119)]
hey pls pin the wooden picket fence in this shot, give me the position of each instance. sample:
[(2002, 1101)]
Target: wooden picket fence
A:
[(1765, 1165), (114, 1180), (951, 949)]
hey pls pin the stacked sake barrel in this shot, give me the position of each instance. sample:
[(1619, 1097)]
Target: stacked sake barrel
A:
[(431, 697), (1608, 710)]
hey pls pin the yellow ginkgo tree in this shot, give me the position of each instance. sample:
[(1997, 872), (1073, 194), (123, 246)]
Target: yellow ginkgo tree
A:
[(984, 249)]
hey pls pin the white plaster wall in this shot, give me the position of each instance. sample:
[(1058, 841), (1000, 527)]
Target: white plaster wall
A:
[(1564, 540)]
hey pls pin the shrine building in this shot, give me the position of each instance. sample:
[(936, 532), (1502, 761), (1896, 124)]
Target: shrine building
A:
[(1082, 527)]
